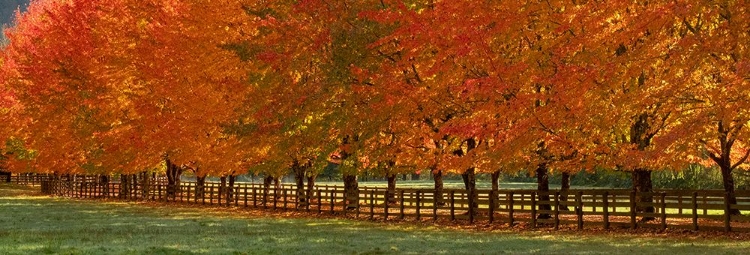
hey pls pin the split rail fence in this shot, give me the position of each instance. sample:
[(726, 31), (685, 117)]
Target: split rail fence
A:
[(577, 208)]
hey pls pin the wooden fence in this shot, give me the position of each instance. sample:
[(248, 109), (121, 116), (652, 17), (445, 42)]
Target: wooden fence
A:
[(30, 179), (580, 208)]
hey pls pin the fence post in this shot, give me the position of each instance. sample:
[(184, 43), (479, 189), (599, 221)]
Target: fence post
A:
[(211, 198), (189, 192), (358, 206), (695, 210), (320, 202), (633, 211), (333, 199), (579, 209), (663, 211), (492, 206), (705, 204), (234, 191), (605, 209), (557, 210), (385, 204), (419, 205), (453, 205), (308, 199), (401, 206), (255, 197), (285, 198), (275, 198), (244, 194), (510, 208), (533, 210), (372, 204)]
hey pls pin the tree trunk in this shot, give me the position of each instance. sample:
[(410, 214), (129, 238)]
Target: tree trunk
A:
[(173, 178), (230, 189), (311, 186), (134, 183), (728, 181), (495, 176), (542, 181), (391, 188), (641, 177), (564, 188), (124, 186), (351, 191), (223, 196), (200, 186), (145, 184), (266, 188), (437, 176), (276, 188), (299, 179), (103, 181), (7, 176), (642, 184), (470, 183), (415, 176)]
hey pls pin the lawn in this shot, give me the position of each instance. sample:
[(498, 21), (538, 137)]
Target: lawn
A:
[(35, 224)]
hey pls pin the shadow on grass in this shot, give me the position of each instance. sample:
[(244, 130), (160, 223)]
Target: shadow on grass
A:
[(43, 225)]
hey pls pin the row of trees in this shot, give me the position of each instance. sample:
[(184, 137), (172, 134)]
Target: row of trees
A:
[(220, 87)]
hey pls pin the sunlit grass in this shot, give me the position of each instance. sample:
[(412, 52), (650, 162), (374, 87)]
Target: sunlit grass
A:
[(35, 224)]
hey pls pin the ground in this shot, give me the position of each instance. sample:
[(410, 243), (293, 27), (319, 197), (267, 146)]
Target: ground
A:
[(31, 223)]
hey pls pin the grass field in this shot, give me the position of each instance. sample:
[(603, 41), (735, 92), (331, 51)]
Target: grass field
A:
[(35, 224)]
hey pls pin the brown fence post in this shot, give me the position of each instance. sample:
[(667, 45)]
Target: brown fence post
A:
[(605, 209), (557, 210), (385, 204), (333, 199), (372, 204), (579, 209), (255, 196), (211, 198), (492, 206), (244, 191), (234, 191), (435, 206), (419, 205), (284, 193), (401, 205), (453, 205), (663, 210), (510, 208), (359, 199), (533, 210), (633, 211), (320, 202), (189, 192), (695, 210)]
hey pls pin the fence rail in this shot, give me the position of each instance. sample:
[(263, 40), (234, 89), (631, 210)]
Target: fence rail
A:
[(579, 208)]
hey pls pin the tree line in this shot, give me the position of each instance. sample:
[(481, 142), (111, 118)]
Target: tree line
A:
[(227, 87)]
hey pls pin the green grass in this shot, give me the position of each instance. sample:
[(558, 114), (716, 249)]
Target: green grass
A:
[(33, 224)]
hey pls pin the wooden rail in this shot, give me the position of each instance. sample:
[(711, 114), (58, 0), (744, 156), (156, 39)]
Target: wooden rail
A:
[(580, 208)]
